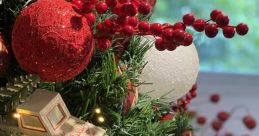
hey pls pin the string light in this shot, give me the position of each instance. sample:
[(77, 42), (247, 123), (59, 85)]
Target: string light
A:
[(16, 115), (101, 119), (98, 110)]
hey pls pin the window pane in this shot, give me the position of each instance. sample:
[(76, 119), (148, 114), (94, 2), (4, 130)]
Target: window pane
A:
[(56, 116), (31, 122)]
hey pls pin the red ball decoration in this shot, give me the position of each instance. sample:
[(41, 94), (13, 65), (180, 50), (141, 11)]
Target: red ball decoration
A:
[(51, 39), (3, 56)]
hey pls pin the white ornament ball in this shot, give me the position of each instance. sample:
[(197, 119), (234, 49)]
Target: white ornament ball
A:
[(170, 72)]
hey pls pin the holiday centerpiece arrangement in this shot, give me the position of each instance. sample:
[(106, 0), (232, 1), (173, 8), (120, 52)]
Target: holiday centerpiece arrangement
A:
[(112, 67)]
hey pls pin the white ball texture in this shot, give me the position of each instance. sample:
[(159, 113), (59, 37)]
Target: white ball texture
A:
[(170, 72)]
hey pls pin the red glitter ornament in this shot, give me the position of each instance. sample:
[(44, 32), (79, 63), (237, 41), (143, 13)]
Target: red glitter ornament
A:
[(3, 56), (54, 42)]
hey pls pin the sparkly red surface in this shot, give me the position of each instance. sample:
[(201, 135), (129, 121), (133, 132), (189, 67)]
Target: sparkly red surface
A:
[(3, 56), (51, 39)]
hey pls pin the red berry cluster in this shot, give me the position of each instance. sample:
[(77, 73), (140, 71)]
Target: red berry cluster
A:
[(220, 21), (125, 23), (182, 103)]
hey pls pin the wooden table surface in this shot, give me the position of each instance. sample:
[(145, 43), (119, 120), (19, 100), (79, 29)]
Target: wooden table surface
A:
[(236, 91)]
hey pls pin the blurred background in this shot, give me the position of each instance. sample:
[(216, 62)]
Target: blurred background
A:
[(229, 67)]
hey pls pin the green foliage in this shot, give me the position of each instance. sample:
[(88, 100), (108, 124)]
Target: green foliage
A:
[(143, 120)]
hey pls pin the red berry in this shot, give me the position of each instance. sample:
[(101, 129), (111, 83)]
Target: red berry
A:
[(78, 3), (194, 88), (223, 116), (111, 3), (228, 134), (188, 19), (222, 20), (178, 36), (143, 27), (216, 125), (175, 108), (128, 30), (144, 8), (168, 34), (188, 39), (156, 29), (188, 97), (214, 98), (199, 25), (170, 46), (229, 31), (242, 29), (133, 21), (159, 44), (87, 8), (103, 44), (201, 120), (211, 30), (90, 18), (249, 122), (179, 25), (129, 9), (101, 7), (193, 94), (214, 14), (123, 1), (167, 25), (100, 27), (122, 20)]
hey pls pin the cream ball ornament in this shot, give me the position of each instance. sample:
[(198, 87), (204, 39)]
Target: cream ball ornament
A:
[(170, 72)]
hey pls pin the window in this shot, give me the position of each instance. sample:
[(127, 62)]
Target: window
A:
[(32, 122), (56, 116)]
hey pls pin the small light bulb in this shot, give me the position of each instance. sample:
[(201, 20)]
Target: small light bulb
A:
[(16, 115), (101, 119), (97, 110)]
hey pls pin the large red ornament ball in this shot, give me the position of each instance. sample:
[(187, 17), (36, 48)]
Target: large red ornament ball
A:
[(52, 39), (3, 56)]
